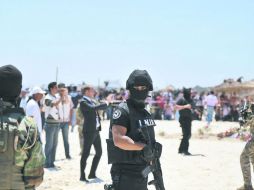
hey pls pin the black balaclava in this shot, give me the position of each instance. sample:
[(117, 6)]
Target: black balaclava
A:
[(139, 95), (10, 83), (139, 78), (187, 94)]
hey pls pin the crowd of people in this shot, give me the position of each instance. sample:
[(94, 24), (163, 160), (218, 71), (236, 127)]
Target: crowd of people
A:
[(226, 106), (161, 104)]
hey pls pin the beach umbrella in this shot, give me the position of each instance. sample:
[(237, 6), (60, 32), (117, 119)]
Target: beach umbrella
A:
[(242, 89)]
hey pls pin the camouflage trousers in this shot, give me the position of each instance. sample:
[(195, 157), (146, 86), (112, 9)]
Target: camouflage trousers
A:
[(81, 138), (246, 158)]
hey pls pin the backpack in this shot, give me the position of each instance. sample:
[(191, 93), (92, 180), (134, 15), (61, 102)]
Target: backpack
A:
[(21, 156), (11, 175)]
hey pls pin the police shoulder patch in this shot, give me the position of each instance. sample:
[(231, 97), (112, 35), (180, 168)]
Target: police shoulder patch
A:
[(117, 113)]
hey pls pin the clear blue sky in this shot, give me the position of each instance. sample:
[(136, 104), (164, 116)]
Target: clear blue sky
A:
[(183, 43)]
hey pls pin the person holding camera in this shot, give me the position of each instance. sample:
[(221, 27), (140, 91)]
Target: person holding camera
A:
[(52, 123)]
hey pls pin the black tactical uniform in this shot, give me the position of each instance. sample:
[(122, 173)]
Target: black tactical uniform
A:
[(128, 165), (185, 120)]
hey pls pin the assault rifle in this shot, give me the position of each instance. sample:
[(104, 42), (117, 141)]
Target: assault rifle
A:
[(155, 166), (115, 103)]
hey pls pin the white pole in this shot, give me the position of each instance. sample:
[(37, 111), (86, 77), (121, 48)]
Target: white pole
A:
[(56, 73)]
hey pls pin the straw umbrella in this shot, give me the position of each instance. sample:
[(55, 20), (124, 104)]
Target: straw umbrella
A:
[(242, 89)]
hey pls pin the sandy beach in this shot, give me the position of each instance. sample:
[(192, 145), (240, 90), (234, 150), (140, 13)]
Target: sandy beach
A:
[(214, 166)]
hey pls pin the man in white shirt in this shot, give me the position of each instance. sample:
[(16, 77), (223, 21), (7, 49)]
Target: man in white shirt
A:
[(210, 101), (33, 109), (65, 109), (23, 98), (52, 123)]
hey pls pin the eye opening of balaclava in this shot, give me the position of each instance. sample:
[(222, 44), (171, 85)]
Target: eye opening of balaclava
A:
[(139, 95)]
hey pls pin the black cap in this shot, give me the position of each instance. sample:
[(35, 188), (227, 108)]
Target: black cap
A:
[(10, 82), (139, 78)]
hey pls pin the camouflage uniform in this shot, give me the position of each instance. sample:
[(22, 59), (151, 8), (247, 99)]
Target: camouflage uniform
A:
[(80, 121), (21, 156), (247, 156)]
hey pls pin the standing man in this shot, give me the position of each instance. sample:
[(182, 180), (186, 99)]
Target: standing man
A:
[(21, 156), (52, 123), (210, 101), (184, 105), (127, 151), (91, 128), (247, 156), (33, 109), (65, 108)]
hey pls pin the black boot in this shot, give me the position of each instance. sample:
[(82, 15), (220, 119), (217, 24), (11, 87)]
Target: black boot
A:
[(91, 176), (83, 176), (186, 153)]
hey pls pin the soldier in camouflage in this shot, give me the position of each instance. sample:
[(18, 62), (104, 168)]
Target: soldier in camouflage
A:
[(80, 122), (21, 156), (247, 155)]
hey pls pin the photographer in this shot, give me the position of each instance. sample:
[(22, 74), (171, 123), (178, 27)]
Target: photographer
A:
[(52, 123)]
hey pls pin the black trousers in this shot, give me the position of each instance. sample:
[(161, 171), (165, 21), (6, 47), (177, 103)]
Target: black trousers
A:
[(89, 140), (128, 177), (186, 130)]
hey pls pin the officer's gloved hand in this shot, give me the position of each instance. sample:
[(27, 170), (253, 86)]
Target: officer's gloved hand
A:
[(148, 153), (157, 150)]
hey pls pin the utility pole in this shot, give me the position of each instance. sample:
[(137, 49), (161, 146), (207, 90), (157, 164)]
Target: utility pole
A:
[(56, 73)]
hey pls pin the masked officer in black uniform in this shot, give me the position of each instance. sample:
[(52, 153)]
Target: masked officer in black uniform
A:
[(185, 105), (126, 150)]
